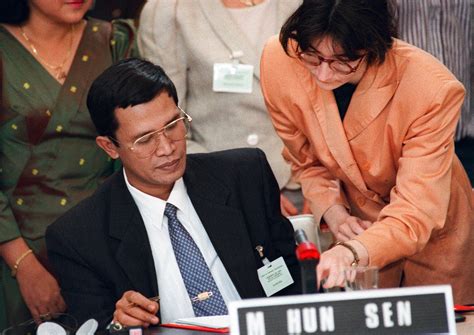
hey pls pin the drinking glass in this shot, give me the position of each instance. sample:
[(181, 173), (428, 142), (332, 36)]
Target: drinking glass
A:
[(361, 278)]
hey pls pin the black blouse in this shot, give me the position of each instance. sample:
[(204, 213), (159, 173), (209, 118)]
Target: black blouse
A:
[(343, 95)]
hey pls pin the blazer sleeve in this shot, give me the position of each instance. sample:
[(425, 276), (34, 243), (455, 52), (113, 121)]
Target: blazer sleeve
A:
[(85, 294), (284, 100), (420, 198)]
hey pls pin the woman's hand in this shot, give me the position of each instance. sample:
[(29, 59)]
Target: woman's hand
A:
[(344, 226), (350, 228), (39, 289), (134, 309), (334, 261)]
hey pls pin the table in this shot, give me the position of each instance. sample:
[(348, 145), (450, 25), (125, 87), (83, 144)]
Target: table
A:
[(466, 327), (463, 328)]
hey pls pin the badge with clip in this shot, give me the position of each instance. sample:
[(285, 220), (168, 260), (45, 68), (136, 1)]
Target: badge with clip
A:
[(233, 77), (274, 276)]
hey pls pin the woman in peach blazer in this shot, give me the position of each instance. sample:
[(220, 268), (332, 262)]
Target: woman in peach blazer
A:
[(385, 178)]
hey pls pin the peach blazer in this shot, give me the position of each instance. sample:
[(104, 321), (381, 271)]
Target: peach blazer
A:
[(390, 161)]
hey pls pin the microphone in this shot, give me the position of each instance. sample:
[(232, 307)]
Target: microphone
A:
[(50, 328), (88, 328), (308, 257)]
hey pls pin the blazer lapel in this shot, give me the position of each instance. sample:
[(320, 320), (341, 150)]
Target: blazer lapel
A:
[(325, 107), (133, 252), (336, 134), (229, 33), (373, 93), (224, 225)]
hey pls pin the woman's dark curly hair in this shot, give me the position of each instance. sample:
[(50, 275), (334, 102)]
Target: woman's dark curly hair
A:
[(354, 25)]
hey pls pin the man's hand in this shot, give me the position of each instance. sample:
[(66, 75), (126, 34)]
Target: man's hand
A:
[(134, 309), (39, 289), (287, 207)]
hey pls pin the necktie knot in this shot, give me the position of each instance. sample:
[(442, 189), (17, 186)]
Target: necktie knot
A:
[(170, 211)]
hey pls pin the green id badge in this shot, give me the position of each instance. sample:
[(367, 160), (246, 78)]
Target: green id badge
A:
[(232, 78), (274, 276)]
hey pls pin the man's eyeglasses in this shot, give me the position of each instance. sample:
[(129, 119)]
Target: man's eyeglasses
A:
[(176, 130), (313, 59)]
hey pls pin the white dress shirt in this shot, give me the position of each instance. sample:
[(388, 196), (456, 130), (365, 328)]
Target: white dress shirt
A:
[(174, 300)]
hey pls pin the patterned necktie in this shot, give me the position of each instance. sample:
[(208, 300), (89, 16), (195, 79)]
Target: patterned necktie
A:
[(196, 274)]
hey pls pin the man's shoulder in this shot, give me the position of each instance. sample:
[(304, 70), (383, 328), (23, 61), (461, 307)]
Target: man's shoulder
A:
[(233, 158), (235, 168)]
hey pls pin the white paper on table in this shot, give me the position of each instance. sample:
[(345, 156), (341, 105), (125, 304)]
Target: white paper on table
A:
[(216, 321)]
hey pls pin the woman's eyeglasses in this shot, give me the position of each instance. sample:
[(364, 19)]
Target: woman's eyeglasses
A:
[(312, 59)]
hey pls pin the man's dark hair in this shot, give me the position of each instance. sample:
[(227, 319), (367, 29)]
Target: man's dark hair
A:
[(14, 11), (354, 25), (129, 82)]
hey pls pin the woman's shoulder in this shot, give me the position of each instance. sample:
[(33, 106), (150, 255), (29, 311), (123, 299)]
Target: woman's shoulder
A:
[(274, 56), (415, 64), (273, 47)]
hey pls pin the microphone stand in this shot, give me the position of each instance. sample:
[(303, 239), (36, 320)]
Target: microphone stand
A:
[(308, 257)]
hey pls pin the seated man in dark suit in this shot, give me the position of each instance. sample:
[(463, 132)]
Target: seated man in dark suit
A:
[(189, 227)]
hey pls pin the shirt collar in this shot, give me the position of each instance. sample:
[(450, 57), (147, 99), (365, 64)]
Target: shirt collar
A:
[(155, 207)]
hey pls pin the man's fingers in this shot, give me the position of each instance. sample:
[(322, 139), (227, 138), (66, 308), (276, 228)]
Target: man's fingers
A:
[(141, 314), (127, 320), (134, 309), (137, 299), (61, 304)]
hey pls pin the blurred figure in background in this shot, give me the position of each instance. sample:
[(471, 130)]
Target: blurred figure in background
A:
[(443, 28), (116, 9), (211, 50), (48, 157)]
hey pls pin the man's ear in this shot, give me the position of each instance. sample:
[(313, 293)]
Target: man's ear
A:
[(108, 146)]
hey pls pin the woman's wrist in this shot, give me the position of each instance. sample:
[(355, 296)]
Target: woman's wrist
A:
[(12, 250), (361, 251), (19, 260), (335, 215)]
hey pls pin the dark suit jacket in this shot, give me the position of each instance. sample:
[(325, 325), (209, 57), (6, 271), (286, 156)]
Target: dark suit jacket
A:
[(100, 248)]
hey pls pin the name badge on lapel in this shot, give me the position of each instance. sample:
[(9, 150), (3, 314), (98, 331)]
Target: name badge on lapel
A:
[(233, 77), (274, 276)]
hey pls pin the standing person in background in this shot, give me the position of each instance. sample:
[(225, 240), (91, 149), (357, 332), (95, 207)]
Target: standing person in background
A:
[(368, 123), (443, 28), (116, 9), (48, 157), (189, 39)]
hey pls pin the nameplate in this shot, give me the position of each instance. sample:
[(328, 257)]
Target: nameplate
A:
[(412, 310)]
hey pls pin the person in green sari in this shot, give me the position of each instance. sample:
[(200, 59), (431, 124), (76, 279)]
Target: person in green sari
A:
[(49, 55)]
